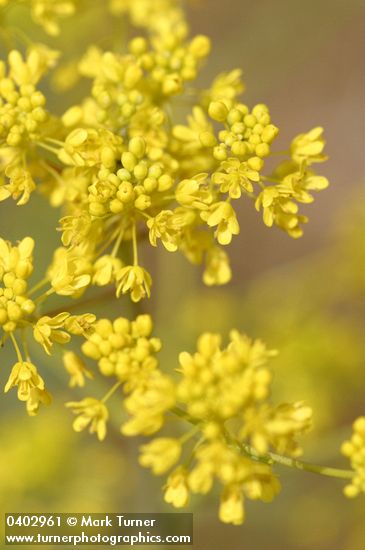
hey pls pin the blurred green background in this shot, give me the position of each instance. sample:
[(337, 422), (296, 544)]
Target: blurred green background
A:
[(305, 298)]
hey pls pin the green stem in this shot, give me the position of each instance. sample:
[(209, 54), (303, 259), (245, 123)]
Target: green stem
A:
[(38, 286), (135, 249), (48, 147), (117, 242), (273, 458), (17, 350), (111, 391)]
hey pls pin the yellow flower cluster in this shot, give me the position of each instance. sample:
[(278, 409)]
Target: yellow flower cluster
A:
[(125, 350), (224, 394), (19, 314), (156, 16), (47, 13), (24, 122), (127, 164), (16, 266), (354, 449), (130, 169)]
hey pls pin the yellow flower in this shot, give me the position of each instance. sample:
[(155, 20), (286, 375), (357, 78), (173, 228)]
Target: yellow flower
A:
[(279, 208), (217, 271), (235, 176), (76, 369), (91, 413), (136, 280), (16, 265), (200, 479), (194, 192), (169, 226), (225, 86), (106, 269), (47, 12), (80, 324), (20, 185), (37, 398), (31, 69), (309, 147), (17, 259), (160, 454), (231, 509), (153, 394), (221, 214), (276, 426), (46, 331), (354, 449), (75, 228), (64, 273), (26, 377), (176, 489)]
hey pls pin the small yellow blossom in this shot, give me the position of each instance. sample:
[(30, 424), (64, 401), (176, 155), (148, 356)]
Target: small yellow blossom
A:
[(76, 369), (222, 215), (80, 324), (309, 147), (151, 397), (231, 508), (25, 376), (16, 266), (91, 413), (236, 176), (217, 271), (46, 331), (37, 398), (160, 454), (47, 12), (354, 449), (277, 427), (64, 273), (136, 280), (106, 269), (176, 489)]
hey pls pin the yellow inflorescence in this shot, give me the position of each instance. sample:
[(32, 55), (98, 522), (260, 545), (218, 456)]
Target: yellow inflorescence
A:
[(354, 449), (150, 155), (18, 315), (224, 393)]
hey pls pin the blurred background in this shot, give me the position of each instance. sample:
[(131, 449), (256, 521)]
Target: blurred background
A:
[(306, 297)]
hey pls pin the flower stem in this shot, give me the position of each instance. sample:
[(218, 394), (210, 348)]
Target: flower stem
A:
[(47, 147), (111, 391), (117, 242), (17, 350), (38, 286), (135, 249), (274, 458)]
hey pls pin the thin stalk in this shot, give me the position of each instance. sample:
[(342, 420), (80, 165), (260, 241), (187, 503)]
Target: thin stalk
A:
[(44, 296), (25, 344), (55, 141), (118, 242), (52, 171), (48, 147), (111, 391), (135, 249), (17, 350), (38, 286), (274, 458)]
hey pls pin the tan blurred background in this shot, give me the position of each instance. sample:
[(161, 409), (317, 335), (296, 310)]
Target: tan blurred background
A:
[(306, 297)]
